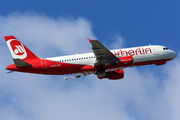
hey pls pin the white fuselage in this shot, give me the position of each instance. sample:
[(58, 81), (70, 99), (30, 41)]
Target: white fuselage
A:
[(103, 62), (140, 54)]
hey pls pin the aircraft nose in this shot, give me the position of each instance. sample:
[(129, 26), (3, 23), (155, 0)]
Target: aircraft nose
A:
[(173, 54)]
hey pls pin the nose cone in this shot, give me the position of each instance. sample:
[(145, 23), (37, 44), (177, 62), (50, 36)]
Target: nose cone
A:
[(173, 54)]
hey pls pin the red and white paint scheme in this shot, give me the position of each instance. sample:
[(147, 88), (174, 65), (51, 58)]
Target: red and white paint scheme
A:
[(102, 62)]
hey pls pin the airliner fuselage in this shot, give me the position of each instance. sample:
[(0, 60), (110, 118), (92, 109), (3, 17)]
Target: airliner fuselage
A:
[(101, 61)]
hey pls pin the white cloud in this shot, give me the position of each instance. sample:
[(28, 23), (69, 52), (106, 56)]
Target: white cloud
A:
[(138, 96), (64, 35), (118, 43)]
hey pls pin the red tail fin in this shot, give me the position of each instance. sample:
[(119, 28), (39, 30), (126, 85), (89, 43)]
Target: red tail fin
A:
[(18, 50)]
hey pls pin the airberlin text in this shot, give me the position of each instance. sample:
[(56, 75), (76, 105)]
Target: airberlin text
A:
[(137, 51)]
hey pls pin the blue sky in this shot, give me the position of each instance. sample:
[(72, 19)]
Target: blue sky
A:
[(59, 27), (138, 22)]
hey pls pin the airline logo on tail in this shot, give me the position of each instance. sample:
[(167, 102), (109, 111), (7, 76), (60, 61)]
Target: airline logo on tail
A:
[(17, 49)]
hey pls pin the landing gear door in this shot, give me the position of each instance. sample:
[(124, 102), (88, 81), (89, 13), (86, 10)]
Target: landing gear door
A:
[(43, 64)]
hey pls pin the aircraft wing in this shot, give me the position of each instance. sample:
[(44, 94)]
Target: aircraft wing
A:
[(103, 55)]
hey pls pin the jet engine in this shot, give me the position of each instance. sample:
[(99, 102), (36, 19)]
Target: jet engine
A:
[(126, 61), (114, 75)]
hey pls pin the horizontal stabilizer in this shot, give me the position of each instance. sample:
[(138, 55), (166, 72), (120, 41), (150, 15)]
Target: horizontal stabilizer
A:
[(10, 71), (21, 63)]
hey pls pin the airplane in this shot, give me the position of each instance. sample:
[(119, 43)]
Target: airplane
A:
[(102, 62)]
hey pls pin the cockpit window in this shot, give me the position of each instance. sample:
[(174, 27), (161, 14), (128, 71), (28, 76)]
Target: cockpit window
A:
[(165, 48)]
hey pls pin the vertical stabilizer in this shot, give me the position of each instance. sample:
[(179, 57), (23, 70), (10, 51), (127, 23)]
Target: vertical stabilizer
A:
[(18, 50)]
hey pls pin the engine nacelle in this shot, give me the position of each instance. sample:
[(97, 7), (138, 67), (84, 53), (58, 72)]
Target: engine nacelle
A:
[(114, 75), (161, 63), (126, 61)]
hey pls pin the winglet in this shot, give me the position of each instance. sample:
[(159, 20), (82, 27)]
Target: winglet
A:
[(90, 40)]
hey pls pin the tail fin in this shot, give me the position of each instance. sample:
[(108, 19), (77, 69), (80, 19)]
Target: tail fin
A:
[(18, 50), (20, 53)]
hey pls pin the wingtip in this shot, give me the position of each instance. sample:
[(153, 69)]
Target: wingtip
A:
[(90, 40)]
